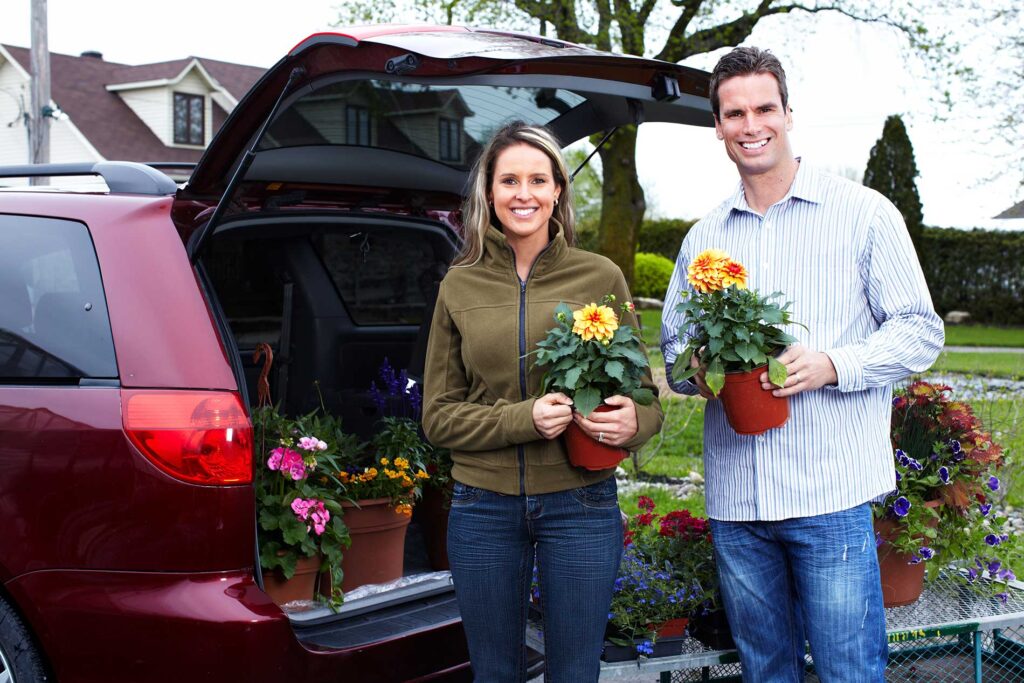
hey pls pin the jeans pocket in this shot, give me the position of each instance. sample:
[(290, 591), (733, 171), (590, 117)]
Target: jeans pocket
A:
[(603, 494), (463, 495)]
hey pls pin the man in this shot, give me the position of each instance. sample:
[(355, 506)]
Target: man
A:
[(790, 508)]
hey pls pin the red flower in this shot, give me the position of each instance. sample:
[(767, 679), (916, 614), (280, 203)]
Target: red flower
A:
[(645, 519), (628, 538), (645, 503)]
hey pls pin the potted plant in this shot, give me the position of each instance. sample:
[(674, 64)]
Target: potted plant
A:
[(302, 534), (667, 575), (941, 512), (590, 356), (736, 334), (399, 402)]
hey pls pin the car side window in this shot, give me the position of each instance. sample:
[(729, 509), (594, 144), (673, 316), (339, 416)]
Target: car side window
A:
[(53, 317), (383, 278)]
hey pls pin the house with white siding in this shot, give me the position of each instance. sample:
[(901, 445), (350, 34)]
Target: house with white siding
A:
[(162, 112)]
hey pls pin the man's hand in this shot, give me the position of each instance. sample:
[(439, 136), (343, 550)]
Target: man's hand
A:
[(613, 427), (698, 379), (552, 413), (807, 370)]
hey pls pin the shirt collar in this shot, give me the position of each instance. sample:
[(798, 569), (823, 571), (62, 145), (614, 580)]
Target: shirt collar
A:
[(806, 186)]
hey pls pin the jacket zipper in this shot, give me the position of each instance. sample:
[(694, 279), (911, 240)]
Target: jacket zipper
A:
[(520, 450)]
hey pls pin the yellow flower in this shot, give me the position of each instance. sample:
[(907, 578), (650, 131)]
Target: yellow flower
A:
[(705, 271), (422, 475), (733, 273), (594, 322), (406, 481), (372, 472), (404, 509), (385, 461), (401, 463)]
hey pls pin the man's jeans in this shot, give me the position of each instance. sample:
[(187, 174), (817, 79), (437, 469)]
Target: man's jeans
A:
[(814, 576), (491, 540)]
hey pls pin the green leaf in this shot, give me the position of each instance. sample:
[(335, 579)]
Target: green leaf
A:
[(681, 372), (614, 369), (714, 329), (586, 399), (746, 351), (776, 372), (715, 376), (643, 396), (571, 377)]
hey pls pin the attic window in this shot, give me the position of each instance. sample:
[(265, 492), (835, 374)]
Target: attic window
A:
[(450, 140), (189, 119)]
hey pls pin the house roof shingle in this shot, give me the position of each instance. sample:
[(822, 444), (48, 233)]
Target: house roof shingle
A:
[(1015, 211), (78, 87)]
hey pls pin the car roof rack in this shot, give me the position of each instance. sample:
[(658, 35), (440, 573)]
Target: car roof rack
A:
[(122, 177)]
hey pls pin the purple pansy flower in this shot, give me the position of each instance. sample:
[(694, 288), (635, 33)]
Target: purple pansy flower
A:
[(901, 506), (992, 540), (993, 483), (985, 508), (926, 553), (944, 474)]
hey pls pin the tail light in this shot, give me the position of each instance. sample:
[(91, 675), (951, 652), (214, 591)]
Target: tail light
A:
[(202, 437)]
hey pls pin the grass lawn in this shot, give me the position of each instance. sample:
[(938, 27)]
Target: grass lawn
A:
[(993, 364), (984, 335)]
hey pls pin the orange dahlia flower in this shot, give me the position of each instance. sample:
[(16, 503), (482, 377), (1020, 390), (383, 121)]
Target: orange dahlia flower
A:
[(594, 322), (733, 273), (705, 271)]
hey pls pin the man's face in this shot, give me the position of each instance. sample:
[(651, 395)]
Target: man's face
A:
[(753, 124)]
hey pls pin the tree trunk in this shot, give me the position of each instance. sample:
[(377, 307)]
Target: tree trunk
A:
[(622, 201)]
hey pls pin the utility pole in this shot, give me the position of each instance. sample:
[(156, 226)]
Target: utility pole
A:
[(40, 112)]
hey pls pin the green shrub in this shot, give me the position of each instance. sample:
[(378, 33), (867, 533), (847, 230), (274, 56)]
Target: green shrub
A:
[(663, 236), (651, 273), (978, 271)]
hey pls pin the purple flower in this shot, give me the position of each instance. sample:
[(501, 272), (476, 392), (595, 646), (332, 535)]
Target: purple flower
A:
[(944, 474), (915, 465), (914, 559), (1007, 575), (972, 574), (901, 506), (899, 477), (878, 540), (933, 457), (994, 566), (992, 540), (645, 648), (1003, 597), (926, 553), (984, 508), (993, 483), (902, 457)]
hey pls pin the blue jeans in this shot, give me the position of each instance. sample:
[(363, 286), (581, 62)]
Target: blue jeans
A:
[(492, 541), (808, 575)]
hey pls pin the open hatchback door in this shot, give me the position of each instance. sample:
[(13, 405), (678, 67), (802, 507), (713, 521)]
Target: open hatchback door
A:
[(323, 215)]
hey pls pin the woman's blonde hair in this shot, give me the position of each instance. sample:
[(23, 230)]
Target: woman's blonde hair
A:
[(477, 212)]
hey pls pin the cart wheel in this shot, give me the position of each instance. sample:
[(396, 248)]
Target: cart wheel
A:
[(19, 658)]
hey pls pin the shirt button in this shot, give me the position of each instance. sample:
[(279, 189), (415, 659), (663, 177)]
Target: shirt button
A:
[(760, 437)]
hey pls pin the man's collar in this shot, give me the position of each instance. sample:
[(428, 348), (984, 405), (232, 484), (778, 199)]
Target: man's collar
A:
[(805, 186)]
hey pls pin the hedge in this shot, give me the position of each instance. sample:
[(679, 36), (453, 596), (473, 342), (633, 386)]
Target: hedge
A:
[(663, 236), (978, 271), (651, 273)]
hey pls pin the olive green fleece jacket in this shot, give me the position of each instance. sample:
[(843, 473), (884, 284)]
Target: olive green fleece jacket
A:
[(472, 400)]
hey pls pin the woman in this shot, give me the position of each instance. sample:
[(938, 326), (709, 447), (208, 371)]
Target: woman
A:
[(515, 492)]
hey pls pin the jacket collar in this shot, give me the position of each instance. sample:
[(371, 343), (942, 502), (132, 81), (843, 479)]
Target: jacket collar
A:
[(499, 255)]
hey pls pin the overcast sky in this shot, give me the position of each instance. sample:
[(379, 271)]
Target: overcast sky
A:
[(844, 80)]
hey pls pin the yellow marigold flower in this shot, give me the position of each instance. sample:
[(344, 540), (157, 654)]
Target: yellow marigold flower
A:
[(404, 509), (401, 463), (422, 475), (372, 471), (406, 481), (385, 461), (705, 271), (343, 476), (594, 322), (733, 273)]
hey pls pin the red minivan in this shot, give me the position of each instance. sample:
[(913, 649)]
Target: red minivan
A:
[(319, 221)]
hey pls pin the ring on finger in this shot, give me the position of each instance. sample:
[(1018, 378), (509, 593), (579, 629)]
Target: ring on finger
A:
[(796, 378), (600, 437)]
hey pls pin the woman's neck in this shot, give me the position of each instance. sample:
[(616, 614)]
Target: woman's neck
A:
[(527, 250)]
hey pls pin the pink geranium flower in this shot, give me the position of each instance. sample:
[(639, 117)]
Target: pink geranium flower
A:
[(311, 443), (274, 461), (313, 510), (291, 463)]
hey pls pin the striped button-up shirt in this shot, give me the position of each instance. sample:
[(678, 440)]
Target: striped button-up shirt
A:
[(841, 253)]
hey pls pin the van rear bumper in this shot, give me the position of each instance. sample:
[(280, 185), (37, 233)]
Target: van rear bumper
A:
[(141, 627)]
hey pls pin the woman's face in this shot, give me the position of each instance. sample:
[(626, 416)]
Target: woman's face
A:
[(523, 193)]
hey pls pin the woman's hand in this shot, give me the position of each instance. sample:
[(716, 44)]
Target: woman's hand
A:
[(552, 413), (614, 427)]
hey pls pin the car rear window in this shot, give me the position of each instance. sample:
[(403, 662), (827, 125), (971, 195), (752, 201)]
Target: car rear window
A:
[(445, 123), (53, 319)]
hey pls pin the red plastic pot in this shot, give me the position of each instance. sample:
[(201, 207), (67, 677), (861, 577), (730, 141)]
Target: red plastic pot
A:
[(586, 452), (749, 408)]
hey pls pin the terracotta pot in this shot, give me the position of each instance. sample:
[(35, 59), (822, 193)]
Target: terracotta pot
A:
[(433, 518), (902, 582), (588, 453), (378, 543), (749, 408), (299, 587)]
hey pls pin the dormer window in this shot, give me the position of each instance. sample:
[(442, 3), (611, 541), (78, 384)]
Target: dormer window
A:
[(450, 140), (189, 119)]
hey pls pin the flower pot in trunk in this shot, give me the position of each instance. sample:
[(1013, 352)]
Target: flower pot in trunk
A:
[(588, 453), (377, 552), (902, 581), (433, 518), (301, 586), (749, 408)]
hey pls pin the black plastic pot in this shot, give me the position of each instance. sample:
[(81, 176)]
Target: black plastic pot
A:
[(712, 629)]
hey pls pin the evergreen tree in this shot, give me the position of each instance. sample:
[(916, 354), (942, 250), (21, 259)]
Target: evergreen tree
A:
[(892, 171)]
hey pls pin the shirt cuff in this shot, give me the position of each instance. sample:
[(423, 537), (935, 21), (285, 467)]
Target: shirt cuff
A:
[(519, 426), (849, 370)]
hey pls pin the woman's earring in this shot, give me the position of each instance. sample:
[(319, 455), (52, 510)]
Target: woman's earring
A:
[(556, 201)]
